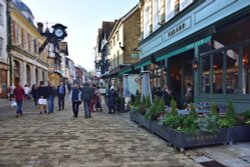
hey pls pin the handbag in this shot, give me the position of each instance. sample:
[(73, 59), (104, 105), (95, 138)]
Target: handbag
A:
[(13, 104)]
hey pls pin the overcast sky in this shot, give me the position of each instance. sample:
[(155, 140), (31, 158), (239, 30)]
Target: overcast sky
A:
[(83, 18)]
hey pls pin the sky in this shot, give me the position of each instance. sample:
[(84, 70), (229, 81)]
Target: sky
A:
[(82, 18)]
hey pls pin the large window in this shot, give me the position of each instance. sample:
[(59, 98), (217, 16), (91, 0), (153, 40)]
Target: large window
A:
[(217, 72), (156, 14), (1, 47), (232, 70), (146, 21), (1, 15), (170, 9), (205, 68), (229, 55), (246, 70)]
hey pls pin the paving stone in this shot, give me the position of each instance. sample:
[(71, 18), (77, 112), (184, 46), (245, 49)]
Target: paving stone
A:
[(60, 140)]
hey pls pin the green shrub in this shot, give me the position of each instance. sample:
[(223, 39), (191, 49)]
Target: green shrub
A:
[(137, 101), (155, 110), (230, 117), (173, 106)]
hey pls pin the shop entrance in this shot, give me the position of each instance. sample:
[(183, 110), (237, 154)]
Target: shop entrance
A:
[(181, 74)]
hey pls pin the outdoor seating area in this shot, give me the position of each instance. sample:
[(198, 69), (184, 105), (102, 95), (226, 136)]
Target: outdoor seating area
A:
[(195, 126)]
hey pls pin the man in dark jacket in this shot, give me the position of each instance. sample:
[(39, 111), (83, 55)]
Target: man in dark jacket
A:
[(51, 96), (87, 96), (61, 94)]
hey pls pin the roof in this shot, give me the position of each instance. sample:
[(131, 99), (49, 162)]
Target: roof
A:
[(22, 7)]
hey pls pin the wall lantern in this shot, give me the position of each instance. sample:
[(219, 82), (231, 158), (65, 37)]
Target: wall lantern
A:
[(122, 47), (195, 63)]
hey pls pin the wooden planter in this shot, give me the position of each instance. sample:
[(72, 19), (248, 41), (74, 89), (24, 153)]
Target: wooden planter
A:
[(138, 118), (239, 133), (160, 130), (183, 140)]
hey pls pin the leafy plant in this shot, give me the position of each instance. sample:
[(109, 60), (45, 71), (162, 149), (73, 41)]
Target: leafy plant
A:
[(147, 102), (229, 120), (173, 106), (137, 101), (156, 109), (189, 122), (208, 123), (172, 119)]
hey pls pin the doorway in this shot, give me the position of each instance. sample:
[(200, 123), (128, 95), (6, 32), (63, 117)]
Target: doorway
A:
[(16, 72), (181, 74)]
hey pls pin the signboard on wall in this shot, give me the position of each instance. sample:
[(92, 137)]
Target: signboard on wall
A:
[(185, 3)]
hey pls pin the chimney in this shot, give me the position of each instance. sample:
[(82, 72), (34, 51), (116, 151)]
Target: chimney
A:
[(40, 27)]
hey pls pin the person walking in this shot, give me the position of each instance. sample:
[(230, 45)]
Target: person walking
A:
[(43, 95), (111, 100), (167, 95), (87, 96), (61, 95), (34, 93), (19, 96), (75, 97), (51, 96), (189, 93), (11, 92), (27, 91)]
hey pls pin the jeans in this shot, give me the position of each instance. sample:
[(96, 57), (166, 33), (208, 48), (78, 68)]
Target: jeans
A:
[(86, 109), (75, 107), (51, 104), (61, 101), (19, 107)]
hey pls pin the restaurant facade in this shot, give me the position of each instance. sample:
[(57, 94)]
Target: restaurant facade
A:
[(205, 43)]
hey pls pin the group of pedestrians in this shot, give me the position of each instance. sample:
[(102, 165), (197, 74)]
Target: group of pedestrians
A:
[(44, 97)]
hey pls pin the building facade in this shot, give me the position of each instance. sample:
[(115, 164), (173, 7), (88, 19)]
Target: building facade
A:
[(27, 65), (204, 43), (3, 49), (123, 45)]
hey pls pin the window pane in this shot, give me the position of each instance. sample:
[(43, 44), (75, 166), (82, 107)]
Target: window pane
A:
[(246, 70), (218, 73), (205, 74), (232, 59)]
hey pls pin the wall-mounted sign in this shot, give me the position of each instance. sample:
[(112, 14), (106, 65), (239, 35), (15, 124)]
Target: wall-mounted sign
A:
[(178, 28), (185, 3)]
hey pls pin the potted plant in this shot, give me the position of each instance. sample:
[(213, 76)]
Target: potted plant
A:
[(138, 115), (241, 125)]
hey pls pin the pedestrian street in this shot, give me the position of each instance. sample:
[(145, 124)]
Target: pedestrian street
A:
[(60, 140)]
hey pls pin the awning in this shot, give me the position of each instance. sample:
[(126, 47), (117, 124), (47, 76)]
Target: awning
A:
[(142, 64), (184, 49), (125, 71)]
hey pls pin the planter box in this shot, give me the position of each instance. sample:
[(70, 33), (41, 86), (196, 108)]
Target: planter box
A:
[(138, 118), (160, 130), (239, 133), (183, 140)]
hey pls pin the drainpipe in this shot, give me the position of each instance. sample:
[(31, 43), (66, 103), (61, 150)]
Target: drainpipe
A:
[(9, 40)]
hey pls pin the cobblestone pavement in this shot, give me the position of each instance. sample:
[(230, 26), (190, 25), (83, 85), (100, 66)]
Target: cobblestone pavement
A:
[(60, 140)]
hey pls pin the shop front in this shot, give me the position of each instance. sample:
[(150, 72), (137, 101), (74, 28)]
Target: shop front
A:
[(3, 80), (224, 69)]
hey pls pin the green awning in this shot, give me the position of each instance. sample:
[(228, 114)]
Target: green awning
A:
[(142, 65), (184, 49), (125, 71)]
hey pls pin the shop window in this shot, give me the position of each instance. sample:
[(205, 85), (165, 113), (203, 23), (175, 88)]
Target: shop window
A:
[(246, 70), (232, 70), (205, 63), (238, 30), (218, 73)]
